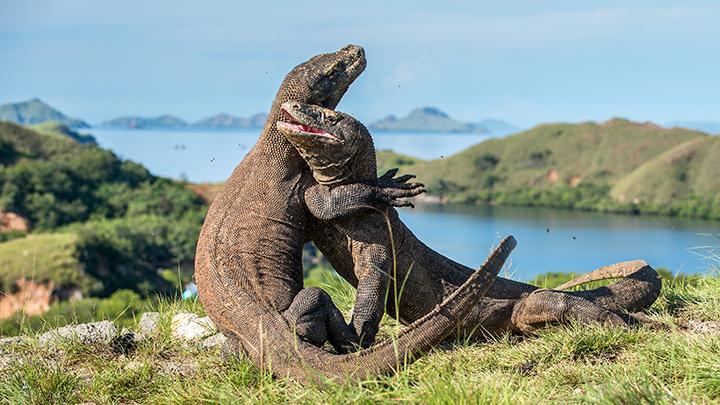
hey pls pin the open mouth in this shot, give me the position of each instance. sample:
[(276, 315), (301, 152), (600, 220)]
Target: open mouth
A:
[(298, 127)]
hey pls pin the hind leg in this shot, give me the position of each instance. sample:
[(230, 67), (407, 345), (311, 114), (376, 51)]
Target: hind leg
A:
[(316, 319), (543, 307)]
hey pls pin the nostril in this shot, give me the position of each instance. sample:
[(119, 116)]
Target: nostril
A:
[(355, 50)]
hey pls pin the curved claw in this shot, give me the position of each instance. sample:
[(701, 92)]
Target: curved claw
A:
[(404, 193), (404, 178), (389, 174), (403, 203)]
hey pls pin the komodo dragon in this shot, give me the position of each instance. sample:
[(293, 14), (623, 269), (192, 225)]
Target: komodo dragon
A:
[(425, 276), (248, 260)]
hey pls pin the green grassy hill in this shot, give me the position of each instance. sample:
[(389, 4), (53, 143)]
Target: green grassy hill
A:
[(43, 258), (689, 169), (55, 128), (615, 166)]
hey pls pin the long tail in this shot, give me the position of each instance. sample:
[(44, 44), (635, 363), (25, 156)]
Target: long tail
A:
[(638, 289), (272, 344)]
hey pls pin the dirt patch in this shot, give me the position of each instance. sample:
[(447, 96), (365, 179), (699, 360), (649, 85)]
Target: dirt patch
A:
[(575, 181), (207, 191), (30, 297), (553, 176), (10, 221)]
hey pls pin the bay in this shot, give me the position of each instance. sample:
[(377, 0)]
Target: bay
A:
[(565, 241), (210, 155)]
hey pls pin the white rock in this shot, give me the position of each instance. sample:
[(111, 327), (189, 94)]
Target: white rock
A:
[(14, 341), (88, 333), (704, 326), (187, 326), (8, 361), (214, 341), (149, 323)]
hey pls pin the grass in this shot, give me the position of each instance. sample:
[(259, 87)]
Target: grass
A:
[(572, 364), (41, 257)]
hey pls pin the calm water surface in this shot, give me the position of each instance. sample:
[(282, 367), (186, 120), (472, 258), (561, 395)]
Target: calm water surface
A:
[(210, 156), (557, 240), (548, 240)]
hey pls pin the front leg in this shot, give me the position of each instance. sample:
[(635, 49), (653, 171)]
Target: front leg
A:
[(372, 262), (327, 203)]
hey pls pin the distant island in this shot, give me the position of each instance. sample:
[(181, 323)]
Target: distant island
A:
[(36, 111), (225, 120), (136, 122), (222, 120), (431, 119), (614, 166)]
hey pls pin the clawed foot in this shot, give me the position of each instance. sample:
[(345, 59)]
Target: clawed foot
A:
[(392, 189)]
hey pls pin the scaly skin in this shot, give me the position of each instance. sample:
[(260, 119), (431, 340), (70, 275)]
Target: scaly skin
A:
[(426, 277), (340, 151), (248, 261)]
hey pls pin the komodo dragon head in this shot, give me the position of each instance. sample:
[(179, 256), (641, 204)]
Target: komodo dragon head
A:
[(337, 147), (325, 78)]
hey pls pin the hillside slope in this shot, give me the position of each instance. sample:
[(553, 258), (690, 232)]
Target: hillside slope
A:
[(576, 166), (689, 169)]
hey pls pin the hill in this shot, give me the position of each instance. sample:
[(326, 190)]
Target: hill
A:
[(711, 127), (613, 166), (54, 128), (426, 119), (688, 169), (136, 122), (36, 111), (225, 120)]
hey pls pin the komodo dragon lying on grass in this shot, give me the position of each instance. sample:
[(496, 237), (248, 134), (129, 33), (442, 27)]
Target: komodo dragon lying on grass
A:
[(425, 277), (248, 262)]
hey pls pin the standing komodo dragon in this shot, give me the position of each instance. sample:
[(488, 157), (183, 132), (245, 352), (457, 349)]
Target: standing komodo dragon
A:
[(248, 262), (425, 277)]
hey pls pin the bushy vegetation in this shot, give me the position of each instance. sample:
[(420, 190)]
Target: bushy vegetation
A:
[(54, 181), (99, 223)]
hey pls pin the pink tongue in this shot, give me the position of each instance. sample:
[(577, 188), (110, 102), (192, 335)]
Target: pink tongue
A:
[(309, 129)]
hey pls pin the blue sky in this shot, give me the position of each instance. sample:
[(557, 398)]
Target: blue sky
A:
[(522, 61)]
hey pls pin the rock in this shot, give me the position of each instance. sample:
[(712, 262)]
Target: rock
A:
[(188, 327), (8, 361), (149, 323), (14, 341), (703, 326), (89, 333), (214, 341), (185, 369), (134, 365)]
